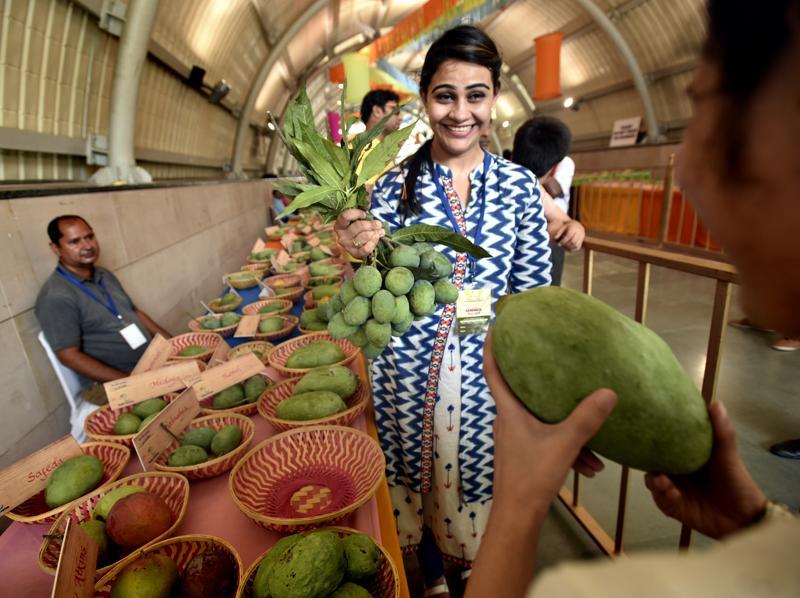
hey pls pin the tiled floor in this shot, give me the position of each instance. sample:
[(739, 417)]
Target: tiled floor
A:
[(759, 386)]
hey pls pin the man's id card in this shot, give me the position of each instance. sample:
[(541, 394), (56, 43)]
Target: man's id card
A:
[(133, 336), (473, 310)]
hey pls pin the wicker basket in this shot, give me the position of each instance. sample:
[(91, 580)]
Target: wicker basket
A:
[(278, 356), (259, 269), (224, 331), (99, 424), (305, 478), (35, 511), (248, 283), (309, 331), (217, 465), (289, 323), (283, 390), (172, 487), (208, 340), (181, 549), (262, 346), (283, 281), (385, 584), (215, 305), (246, 409), (252, 308), (292, 294)]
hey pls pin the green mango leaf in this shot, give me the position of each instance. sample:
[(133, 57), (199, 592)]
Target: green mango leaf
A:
[(317, 196), (437, 234), (321, 168), (382, 155), (338, 156)]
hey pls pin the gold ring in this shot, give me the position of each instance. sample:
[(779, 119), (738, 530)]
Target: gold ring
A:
[(357, 244)]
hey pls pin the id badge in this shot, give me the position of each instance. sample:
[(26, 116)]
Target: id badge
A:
[(474, 310), (133, 336)]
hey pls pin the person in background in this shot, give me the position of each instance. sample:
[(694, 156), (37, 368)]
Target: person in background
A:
[(376, 105), (786, 343), (279, 202), (87, 317), (739, 167), (433, 410), (507, 154), (541, 145)]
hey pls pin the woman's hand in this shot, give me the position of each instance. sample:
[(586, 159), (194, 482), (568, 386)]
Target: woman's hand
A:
[(357, 235), (719, 499)]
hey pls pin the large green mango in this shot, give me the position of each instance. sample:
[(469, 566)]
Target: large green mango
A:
[(555, 346), (312, 566), (72, 479), (315, 354), (335, 378)]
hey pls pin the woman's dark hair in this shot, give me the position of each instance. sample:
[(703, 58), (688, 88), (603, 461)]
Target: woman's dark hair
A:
[(464, 43)]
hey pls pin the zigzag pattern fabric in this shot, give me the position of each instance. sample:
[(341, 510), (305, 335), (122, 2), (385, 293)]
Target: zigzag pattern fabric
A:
[(515, 233)]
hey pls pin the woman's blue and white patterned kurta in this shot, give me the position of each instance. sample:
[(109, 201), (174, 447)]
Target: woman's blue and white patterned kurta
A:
[(439, 451)]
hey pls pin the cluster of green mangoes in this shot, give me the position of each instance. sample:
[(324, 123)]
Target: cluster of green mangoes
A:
[(197, 443), (136, 419), (322, 392), (262, 256), (310, 320), (230, 318), (316, 269), (192, 350), (380, 303), (210, 573), (315, 354), (225, 300), (124, 519), (318, 565), (239, 394), (72, 479)]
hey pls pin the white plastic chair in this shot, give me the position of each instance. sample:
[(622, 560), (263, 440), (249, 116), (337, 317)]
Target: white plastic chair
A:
[(71, 385)]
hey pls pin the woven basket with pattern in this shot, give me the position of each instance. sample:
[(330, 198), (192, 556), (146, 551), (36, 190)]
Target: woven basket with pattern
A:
[(278, 356), (224, 331), (181, 549), (114, 457), (385, 584), (208, 340), (261, 346), (304, 478), (290, 294), (245, 283), (172, 487), (330, 279), (215, 465), (283, 281), (217, 307), (252, 308), (99, 424), (283, 390)]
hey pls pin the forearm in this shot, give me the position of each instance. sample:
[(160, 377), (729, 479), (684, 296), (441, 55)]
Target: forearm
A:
[(507, 556), (88, 366), (151, 326)]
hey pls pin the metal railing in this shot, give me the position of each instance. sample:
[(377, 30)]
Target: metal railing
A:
[(724, 274), (635, 207)]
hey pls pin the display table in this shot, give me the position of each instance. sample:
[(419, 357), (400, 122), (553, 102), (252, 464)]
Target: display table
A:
[(211, 510)]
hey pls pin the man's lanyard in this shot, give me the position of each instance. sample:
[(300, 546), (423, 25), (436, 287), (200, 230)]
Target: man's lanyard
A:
[(487, 160), (110, 306)]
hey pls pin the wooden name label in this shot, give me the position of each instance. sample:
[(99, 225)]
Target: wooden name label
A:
[(77, 564), (162, 430), (248, 326), (220, 354), (280, 260), (272, 230), (227, 374), (259, 245), (156, 355), (287, 241), (27, 477), (148, 385)]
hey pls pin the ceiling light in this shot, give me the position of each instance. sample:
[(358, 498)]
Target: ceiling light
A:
[(569, 102)]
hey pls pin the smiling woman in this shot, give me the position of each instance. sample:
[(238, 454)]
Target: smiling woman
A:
[(433, 408)]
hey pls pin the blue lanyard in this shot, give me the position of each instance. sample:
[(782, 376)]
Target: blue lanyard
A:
[(110, 306), (487, 160)]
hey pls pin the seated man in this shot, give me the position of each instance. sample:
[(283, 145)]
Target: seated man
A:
[(87, 317), (541, 145)]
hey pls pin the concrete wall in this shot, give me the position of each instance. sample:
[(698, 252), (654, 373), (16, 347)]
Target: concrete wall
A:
[(169, 247)]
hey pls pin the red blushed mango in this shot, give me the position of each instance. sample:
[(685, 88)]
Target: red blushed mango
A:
[(136, 519)]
